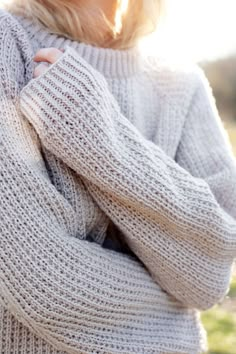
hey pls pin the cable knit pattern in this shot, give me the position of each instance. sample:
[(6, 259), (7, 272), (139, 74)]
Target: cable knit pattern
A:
[(121, 140)]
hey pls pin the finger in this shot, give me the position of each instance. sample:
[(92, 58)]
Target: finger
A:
[(40, 69), (50, 55)]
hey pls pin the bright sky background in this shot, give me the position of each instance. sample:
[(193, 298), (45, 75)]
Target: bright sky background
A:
[(197, 29)]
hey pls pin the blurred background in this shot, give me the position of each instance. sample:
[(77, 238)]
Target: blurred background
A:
[(204, 31)]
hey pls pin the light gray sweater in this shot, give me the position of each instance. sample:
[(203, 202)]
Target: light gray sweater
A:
[(109, 149)]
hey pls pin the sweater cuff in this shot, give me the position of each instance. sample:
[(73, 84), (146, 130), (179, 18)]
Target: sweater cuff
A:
[(67, 85)]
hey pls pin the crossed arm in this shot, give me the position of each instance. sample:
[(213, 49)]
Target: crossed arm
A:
[(71, 293), (47, 276), (176, 216)]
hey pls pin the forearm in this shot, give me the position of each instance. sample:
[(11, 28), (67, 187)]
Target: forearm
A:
[(164, 212), (64, 289), (69, 292), (74, 294)]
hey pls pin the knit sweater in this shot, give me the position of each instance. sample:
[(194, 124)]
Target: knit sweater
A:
[(117, 199)]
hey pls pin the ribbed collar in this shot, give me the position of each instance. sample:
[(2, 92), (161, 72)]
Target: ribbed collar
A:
[(110, 62)]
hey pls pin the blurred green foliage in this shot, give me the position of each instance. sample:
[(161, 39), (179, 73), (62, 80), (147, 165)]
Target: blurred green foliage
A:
[(220, 323), (222, 76), (232, 292)]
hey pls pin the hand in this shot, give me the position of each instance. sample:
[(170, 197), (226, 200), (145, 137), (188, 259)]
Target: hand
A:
[(47, 56)]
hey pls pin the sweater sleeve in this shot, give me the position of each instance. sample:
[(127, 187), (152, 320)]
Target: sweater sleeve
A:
[(76, 295), (171, 219), (205, 149)]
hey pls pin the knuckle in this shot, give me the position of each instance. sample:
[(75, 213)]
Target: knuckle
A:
[(54, 54), (40, 69), (36, 71)]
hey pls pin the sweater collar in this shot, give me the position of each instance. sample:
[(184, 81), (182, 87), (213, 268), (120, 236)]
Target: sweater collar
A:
[(110, 62)]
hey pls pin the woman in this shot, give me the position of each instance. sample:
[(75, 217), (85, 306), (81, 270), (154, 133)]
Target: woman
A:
[(101, 144)]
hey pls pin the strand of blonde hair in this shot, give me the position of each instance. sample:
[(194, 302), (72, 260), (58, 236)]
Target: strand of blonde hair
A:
[(134, 19)]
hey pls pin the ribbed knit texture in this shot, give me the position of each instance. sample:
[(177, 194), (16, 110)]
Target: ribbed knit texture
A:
[(109, 149)]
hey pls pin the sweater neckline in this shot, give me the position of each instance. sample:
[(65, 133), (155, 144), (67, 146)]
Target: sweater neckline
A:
[(110, 62)]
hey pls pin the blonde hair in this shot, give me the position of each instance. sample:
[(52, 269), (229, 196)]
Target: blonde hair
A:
[(74, 20)]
